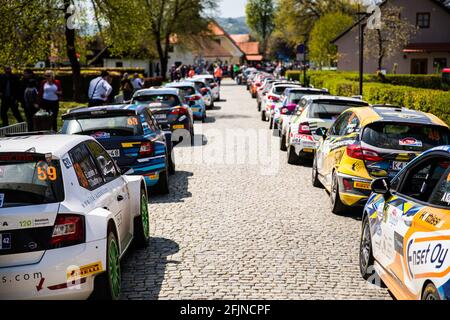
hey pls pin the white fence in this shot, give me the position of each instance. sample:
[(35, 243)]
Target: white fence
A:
[(15, 128)]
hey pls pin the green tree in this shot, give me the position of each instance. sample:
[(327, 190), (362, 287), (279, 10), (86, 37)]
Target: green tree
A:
[(260, 18), (327, 28), (295, 18)]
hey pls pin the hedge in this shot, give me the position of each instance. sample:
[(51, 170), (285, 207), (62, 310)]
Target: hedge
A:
[(65, 76), (436, 102)]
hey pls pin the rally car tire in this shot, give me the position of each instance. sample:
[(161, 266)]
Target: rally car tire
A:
[(366, 259), (263, 116), (172, 167), (336, 203), (315, 175), (430, 293), (141, 223), (271, 124), (259, 106), (292, 157), (162, 187), (107, 285), (283, 143)]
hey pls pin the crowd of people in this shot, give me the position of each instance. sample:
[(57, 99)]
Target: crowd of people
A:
[(219, 70)]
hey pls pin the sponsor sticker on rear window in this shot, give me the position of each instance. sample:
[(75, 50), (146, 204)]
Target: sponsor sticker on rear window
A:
[(101, 135), (411, 142), (2, 198), (5, 241)]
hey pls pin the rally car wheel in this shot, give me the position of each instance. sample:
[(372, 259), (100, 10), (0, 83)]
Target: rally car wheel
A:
[(259, 106), (271, 124), (204, 118), (430, 293), (141, 223), (162, 187), (292, 157), (366, 258), (283, 143), (315, 175), (336, 203), (172, 167), (108, 285), (263, 116)]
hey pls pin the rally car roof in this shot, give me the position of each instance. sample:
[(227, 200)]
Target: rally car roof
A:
[(395, 114), (99, 110), (56, 144), (155, 91), (180, 84)]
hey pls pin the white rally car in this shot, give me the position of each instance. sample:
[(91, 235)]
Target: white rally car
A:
[(319, 111), (67, 216), (211, 82)]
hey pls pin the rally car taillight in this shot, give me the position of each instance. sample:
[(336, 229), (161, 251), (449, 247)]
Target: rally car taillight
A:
[(273, 98), (304, 128), (355, 151), (69, 230), (178, 111), (147, 148), (195, 98)]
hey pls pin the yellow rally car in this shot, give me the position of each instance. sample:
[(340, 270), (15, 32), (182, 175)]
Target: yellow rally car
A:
[(405, 236), (368, 143)]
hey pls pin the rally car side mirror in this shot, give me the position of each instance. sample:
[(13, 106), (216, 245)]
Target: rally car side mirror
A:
[(381, 186)]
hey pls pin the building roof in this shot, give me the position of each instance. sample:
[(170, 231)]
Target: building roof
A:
[(249, 47), (254, 57), (238, 38)]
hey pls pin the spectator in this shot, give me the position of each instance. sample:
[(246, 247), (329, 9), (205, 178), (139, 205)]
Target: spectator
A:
[(126, 87), (218, 74), (100, 90), (9, 94), (191, 73), (31, 102), (50, 92), (137, 82)]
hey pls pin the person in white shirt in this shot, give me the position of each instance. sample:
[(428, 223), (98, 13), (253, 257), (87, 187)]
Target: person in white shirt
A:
[(99, 90), (137, 82)]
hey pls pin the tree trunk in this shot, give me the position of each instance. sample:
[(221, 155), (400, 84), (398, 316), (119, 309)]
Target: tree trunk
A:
[(380, 50), (72, 54)]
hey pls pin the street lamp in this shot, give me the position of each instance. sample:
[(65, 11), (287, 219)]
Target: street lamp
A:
[(361, 27)]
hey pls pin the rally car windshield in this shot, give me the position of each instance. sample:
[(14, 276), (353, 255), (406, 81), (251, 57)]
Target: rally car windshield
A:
[(29, 181), (166, 99), (329, 111), (104, 127), (411, 137)]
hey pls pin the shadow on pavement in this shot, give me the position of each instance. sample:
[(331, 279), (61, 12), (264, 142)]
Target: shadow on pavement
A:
[(143, 269), (216, 108), (178, 185), (233, 116), (210, 119)]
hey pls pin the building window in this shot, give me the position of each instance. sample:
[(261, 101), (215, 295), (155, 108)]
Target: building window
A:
[(423, 20)]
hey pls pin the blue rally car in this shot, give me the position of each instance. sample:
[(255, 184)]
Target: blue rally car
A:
[(132, 136), (192, 96)]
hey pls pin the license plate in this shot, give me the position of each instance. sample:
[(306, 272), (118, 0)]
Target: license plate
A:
[(5, 241), (160, 116), (397, 165), (308, 150), (178, 126), (195, 109), (114, 153)]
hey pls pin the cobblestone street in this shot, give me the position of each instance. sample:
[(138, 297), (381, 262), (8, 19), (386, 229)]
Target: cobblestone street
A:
[(232, 231)]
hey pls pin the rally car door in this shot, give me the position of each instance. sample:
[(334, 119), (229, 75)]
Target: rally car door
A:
[(410, 222)]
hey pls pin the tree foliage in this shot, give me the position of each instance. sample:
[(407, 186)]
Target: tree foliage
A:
[(327, 28), (295, 18), (260, 18), (394, 35)]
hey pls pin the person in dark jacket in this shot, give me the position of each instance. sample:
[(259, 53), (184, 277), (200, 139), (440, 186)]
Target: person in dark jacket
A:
[(9, 94), (31, 102)]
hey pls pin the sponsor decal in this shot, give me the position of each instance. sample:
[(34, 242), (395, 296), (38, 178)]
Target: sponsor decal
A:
[(362, 185), (5, 241), (398, 243), (67, 162), (427, 256), (445, 198), (84, 271), (432, 219), (2, 199), (410, 142), (101, 135), (178, 126)]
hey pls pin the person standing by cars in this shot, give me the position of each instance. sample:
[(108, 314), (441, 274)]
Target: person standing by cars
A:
[(218, 74), (126, 87), (31, 102), (99, 90), (137, 82), (9, 94), (50, 92)]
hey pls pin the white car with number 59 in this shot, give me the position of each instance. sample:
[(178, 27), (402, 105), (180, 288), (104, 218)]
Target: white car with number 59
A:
[(67, 216)]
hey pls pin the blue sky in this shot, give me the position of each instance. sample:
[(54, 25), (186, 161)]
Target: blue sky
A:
[(231, 8)]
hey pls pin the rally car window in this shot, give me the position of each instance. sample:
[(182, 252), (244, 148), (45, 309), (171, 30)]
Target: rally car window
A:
[(407, 136), (104, 127), (328, 110), (340, 126), (166, 99), (27, 180), (85, 168), (104, 161), (421, 180), (441, 194), (150, 121)]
